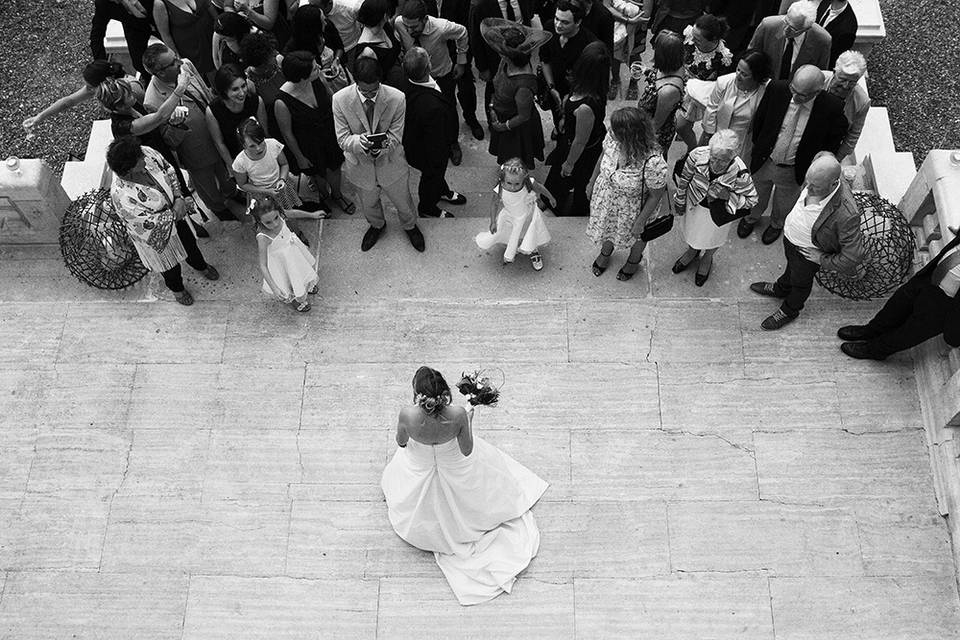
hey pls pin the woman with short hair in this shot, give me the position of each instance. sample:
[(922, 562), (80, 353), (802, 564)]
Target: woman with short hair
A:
[(714, 189)]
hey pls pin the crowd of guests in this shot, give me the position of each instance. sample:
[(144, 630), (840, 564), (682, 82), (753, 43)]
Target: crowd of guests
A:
[(251, 97)]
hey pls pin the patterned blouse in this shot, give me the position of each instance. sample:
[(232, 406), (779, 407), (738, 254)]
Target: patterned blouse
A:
[(704, 66), (697, 183)]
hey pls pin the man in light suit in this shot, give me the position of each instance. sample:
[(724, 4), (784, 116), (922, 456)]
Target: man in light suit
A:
[(822, 231), (927, 305), (375, 163), (793, 40)]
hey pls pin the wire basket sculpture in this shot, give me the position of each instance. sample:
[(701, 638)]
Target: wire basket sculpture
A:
[(888, 243), (95, 245)]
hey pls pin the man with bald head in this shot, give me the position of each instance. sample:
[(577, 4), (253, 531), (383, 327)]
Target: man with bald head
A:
[(794, 121), (793, 40), (822, 231)]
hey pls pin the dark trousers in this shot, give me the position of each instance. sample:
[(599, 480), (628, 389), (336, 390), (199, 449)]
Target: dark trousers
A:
[(796, 283), (433, 184), (464, 91), (448, 87), (136, 31), (173, 277), (571, 192), (914, 313)]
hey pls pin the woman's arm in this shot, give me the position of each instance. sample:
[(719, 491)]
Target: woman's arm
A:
[(666, 100), (162, 20), (217, 136), (217, 55), (584, 119), (402, 436), (593, 177), (261, 111), (465, 436), (151, 121), (79, 96), (265, 20), (654, 196), (524, 100), (543, 191), (285, 123)]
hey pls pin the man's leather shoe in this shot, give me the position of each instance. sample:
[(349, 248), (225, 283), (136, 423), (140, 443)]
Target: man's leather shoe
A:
[(861, 351), (454, 198), (370, 238), (745, 228), (210, 273), (476, 129), (777, 320), (768, 289), (854, 332), (770, 235), (416, 239), (456, 155)]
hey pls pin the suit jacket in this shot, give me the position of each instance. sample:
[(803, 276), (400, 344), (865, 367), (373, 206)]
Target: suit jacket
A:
[(431, 126), (951, 325), (770, 39), (486, 58), (825, 128), (836, 232), (350, 122), (842, 30), (453, 10), (599, 22)]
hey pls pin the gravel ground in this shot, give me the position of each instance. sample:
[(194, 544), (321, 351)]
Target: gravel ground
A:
[(915, 73)]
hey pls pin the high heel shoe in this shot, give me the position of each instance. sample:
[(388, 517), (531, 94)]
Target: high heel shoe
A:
[(623, 276), (597, 269), (701, 278), (680, 266)]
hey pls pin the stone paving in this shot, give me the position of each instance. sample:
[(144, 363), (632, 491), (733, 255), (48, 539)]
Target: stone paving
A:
[(213, 472)]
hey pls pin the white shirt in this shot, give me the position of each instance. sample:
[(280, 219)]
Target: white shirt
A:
[(262, 173), (797, 43), (429, 83), (798, 227), (785, 150), (832, 14)]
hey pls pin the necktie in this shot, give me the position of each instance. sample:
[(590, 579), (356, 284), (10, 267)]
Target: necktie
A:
[(787, 60), (945, 265), (368, 106), (779, 155), (511, 16)]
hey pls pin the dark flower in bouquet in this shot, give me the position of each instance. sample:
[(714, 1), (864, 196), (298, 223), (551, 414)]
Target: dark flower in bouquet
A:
[(478, 388)]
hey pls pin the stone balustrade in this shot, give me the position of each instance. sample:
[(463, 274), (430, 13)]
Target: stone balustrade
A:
[(32, 202)]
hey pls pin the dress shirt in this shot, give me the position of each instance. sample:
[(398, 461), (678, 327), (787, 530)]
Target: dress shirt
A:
[(798, 227), (951, 280), (797, 43), (785, 150), (343, 15), (832, 14), (855, 108), (429, 83), (436, 33)]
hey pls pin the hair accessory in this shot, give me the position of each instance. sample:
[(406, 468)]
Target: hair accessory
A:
[(432, 404), (508, 38)]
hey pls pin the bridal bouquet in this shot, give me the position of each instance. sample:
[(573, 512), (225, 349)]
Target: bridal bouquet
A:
[(478, 388)]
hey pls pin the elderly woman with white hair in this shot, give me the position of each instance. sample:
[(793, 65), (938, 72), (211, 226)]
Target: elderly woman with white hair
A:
[(714, 189), (844, 82)]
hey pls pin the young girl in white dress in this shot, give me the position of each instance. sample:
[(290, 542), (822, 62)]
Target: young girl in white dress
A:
[(288, 268), (261, 169), (515, 219)]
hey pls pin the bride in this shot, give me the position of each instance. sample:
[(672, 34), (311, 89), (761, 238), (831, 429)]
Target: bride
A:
[(454, 494)]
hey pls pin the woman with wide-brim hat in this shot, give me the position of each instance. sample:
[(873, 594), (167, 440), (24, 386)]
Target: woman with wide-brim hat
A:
[(515, 129)]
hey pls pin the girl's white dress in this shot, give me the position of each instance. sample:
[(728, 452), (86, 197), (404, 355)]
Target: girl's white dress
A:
[(472, 511), (520, 225), (290, 264)]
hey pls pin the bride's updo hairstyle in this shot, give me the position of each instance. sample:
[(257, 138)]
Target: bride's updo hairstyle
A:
[(430, 391)]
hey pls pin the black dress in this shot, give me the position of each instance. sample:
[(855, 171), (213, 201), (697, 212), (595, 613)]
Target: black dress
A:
[(526, 141), (559, 186), (229, 121), (313, 130), (388, 56)]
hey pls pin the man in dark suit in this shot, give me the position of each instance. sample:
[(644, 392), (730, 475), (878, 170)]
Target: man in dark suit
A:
[(927, 305), (822, 232), (838, 18), (599, 21), (430, 125), (793, 40), (560, 53), (792, 124)]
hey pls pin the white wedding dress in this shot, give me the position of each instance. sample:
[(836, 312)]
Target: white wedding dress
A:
[(472, 511)]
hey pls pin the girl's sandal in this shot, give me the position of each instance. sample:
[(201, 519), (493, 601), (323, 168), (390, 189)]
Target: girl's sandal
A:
[(301, 307), (348, 207)]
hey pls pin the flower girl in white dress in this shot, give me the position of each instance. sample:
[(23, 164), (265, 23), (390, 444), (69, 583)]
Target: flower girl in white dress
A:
[(519, 223), (288, 268), (452, 493)]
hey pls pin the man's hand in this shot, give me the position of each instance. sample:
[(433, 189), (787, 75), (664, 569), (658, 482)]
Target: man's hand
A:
[(459, 70), (365, 143), (811, 254), (566, 169)]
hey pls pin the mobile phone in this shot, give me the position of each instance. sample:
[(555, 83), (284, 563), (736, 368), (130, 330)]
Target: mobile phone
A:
[(376, 140)]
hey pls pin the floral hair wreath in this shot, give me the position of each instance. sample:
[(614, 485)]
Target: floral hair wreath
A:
[(432, 404)]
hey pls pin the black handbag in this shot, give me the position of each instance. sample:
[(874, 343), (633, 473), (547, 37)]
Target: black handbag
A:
[(660, 225), (543, 97), (719, 213)]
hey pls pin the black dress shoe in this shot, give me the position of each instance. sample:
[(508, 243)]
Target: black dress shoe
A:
[(370, 238), (680, 266), (454, 198), (854, 332), (456, 155), (700, 279), (745, 227), (770, 235), (861, 351), (476, 129), (766, 289), (416, 239)]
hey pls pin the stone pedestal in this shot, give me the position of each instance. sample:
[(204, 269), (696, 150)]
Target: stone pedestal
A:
[(32, 203)]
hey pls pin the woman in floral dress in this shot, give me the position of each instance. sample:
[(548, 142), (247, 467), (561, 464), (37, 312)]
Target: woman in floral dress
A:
[(665, 85), (705, 57), (626, 189)]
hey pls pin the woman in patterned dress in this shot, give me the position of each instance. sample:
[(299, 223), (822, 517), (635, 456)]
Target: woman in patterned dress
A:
[(705, 57), (665, 86), (626, 189)]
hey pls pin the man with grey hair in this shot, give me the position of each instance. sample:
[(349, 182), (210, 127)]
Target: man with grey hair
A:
[(793, 40), (844, 82), (792, 123), (196, 150), (430, 124), (822, 231)]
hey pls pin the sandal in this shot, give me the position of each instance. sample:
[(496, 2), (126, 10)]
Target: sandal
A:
[(301, 307), (348, 207), (623, 275), (597, 269)]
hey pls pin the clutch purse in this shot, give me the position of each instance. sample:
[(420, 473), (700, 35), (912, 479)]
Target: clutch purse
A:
[(657, 227)]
